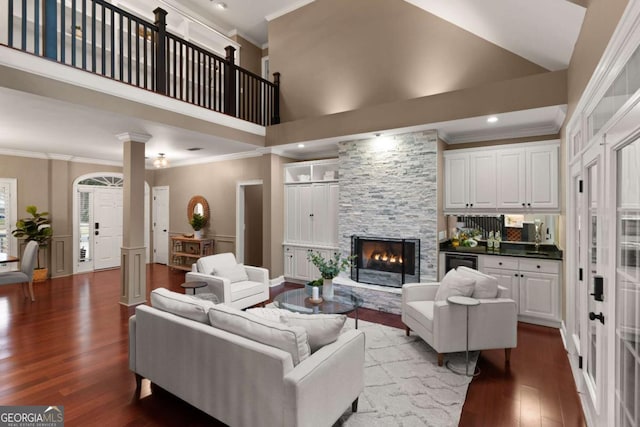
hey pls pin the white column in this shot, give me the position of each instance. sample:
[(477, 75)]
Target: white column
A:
[(133, 278)]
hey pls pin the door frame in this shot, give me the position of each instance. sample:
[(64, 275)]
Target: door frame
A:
[(240, 187), (75, 224), (13, 216), (153, 210)]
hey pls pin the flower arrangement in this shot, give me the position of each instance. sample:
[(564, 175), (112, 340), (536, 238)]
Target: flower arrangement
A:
[(330, 268)]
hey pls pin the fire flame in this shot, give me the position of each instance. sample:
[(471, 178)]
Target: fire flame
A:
[(387, 257)]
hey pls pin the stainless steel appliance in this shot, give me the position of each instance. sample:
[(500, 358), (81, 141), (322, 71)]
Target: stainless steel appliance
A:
[(451, 261)]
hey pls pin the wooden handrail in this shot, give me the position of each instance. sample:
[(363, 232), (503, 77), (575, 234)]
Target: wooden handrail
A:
[(115, 43)]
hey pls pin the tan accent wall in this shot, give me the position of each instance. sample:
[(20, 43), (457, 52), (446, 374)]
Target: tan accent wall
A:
[(265, 52), (600, 21), (538, 90), (337, 55), (250, 55)]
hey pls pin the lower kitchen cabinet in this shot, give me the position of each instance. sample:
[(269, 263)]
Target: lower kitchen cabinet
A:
[(533, 283)]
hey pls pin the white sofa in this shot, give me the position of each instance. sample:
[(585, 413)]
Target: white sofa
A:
[(238, 294), (242, 382), (492, 323)]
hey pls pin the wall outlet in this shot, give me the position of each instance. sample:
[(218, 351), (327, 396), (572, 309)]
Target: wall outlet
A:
[(442, 235)]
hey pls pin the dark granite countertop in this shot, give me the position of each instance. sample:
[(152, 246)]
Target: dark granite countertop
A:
[(524, 250)]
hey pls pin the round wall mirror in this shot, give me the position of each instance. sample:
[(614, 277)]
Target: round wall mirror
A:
[(199, 205)]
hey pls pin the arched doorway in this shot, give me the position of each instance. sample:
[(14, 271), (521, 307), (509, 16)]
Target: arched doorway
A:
[(97, 221)]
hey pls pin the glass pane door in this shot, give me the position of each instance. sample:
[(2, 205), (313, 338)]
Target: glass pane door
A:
[(8, 243), (627, 328)]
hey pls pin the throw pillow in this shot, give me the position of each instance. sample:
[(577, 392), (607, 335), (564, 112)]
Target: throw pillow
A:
[(292, 339), (486, 286), (235, 273), (454, 283), (322, 329), (181, 305)]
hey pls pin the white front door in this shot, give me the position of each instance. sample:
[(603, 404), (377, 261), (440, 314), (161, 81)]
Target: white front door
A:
[(161, 225), (8, 217), (107, 227), (593, 334)]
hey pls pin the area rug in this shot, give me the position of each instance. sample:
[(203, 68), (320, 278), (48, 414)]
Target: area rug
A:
[(404, 386)]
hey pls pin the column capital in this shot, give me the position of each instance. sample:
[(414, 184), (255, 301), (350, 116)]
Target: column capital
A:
[(133, 136)]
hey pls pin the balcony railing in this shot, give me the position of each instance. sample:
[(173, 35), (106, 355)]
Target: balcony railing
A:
[(96, 36)]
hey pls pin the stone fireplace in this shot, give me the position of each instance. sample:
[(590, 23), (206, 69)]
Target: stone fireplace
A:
[(385, 261)]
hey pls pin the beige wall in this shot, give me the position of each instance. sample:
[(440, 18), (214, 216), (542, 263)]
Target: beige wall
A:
[(337, 55), (253, 224), (250, 55), (48, 184)]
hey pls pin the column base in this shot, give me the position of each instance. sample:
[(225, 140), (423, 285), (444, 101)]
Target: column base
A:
[(133, 280)]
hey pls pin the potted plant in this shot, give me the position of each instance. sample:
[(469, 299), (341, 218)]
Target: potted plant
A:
[(329, 268), (197, 222), (314, 284), (37, 228)]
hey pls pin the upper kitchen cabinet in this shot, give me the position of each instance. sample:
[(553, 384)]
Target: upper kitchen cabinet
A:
[(528, 177), (470, 180), (521, 177)]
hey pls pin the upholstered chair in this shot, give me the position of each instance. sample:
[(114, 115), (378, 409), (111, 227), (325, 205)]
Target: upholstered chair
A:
[(443, 325), (234, 284), (25, 275)]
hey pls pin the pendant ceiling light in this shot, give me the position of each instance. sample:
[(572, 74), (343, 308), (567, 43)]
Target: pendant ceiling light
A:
[(160, 161)]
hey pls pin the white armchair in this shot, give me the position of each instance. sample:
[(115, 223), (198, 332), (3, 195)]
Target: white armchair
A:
[(234, 284), (492, 324)]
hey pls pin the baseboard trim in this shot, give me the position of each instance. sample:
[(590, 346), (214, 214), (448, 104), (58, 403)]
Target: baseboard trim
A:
[(276, 282)]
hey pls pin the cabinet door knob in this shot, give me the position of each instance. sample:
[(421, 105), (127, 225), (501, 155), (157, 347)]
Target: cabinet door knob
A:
[(471, 204), (522, 275), (523, 204), (500, 263), (516, 274), (538, 266), (528, 204), (467, 205)]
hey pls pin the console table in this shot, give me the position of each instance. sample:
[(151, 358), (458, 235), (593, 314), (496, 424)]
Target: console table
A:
[(184, 251)]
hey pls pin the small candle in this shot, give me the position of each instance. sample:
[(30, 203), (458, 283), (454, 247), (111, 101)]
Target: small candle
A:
[(315, 292)]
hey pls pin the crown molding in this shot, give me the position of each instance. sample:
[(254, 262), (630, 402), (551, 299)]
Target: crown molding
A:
[(133, 137), (214, 159), (287, 9), (56, 156), (504, 133)]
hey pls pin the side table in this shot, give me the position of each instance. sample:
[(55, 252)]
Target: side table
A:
[(193, 286), (467, 302)]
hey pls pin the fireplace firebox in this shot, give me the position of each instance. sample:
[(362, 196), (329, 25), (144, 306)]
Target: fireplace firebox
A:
[(385, 261)]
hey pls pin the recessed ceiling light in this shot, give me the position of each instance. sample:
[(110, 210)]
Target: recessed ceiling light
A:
[(492, 119), (194, 149), (378, 134), (220, 5), (300, 145)]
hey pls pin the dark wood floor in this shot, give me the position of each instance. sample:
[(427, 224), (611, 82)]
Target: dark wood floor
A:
[(70, 348)]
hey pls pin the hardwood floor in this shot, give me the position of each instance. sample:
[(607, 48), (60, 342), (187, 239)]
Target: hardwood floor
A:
[(70, 348)]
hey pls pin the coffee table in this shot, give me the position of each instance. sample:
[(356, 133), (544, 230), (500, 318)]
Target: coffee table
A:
[(297, 300)]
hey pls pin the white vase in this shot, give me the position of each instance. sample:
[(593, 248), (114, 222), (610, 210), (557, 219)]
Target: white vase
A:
[(327, 289), (197, 234)]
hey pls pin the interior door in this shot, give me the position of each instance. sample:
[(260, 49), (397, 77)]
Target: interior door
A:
[(160, 225), (107, 227), (593, 335)]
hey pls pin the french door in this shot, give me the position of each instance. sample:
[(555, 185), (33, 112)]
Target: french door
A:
[(591, 293)]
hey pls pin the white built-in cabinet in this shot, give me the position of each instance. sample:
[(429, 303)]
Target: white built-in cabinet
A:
[(470, 180), (533, 283), (311, 215), (517, 177)]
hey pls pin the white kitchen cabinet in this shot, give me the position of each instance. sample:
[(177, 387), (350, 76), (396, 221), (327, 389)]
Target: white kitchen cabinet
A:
[(515, 177), (528, 177), (470, 180), (311, 215), (533, 283)]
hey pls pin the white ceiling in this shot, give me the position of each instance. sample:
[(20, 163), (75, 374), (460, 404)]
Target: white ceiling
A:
[(543, 31)]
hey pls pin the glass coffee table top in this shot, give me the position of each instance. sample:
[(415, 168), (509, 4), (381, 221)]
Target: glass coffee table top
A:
[(343, 302)]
